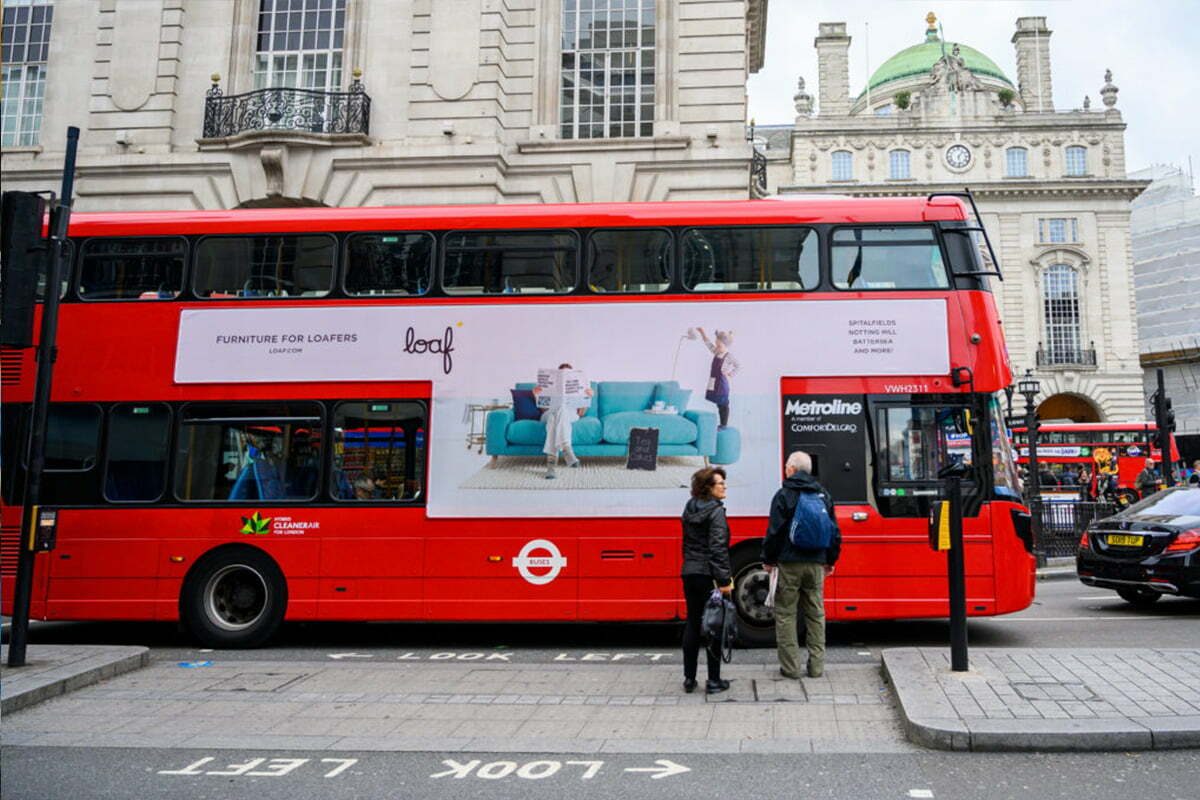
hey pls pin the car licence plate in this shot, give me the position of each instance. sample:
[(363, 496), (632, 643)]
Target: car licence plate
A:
[(1125, 540)]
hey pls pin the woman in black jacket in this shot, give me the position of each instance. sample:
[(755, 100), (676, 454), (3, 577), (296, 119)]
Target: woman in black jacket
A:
[(705, 564)]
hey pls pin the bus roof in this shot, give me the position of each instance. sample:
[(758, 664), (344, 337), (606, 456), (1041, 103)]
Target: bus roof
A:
[(583, 215)]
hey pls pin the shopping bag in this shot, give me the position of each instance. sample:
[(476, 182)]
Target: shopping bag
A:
[(772, 584)]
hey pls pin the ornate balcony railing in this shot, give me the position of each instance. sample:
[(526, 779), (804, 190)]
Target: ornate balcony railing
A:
[(1059, 357), (286, 109)]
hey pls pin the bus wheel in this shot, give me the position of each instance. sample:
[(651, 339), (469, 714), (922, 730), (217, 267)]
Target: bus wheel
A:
[(233, 597), (756, 622)]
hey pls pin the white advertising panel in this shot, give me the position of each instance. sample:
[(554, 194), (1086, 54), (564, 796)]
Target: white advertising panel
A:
[(705, 373)]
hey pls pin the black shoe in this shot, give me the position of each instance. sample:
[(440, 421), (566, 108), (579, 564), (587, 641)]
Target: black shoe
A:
[(689, 685), (715, 687)]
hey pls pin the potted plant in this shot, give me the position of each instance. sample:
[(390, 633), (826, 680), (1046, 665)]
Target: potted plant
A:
[(903, 100), (1006, 97)]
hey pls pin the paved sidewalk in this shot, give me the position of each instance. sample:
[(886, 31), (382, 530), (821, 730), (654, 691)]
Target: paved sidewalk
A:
[(575, 708), (1049, 699), (54, 669)]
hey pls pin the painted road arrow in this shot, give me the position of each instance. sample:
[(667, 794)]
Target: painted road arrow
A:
[(665, 769), (340, 656)]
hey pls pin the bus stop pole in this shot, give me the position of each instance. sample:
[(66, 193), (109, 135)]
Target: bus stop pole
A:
[(957, 578), (47, 352), (1165, 464)]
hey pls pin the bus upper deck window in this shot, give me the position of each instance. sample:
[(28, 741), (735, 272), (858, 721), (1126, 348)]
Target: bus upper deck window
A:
[(132, 268), (748, 259), (389, 263), (629, 260), (264, 266), (510, 262), (867, 258)]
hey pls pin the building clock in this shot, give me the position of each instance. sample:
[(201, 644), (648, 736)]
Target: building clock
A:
[(958, 156)]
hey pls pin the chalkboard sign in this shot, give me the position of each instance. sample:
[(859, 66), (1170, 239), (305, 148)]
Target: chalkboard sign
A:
[(643, 449)]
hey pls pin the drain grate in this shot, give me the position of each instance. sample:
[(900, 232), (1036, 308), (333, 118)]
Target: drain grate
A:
[(1058, 690), (256, 682), (779, 691)]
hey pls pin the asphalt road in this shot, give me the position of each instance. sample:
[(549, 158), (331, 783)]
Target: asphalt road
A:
[(85, 774), (1065, 614)]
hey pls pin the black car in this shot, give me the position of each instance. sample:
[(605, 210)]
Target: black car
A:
[(1150, 549)]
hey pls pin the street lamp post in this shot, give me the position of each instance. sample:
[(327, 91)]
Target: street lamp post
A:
[(1008, 394), (1029, 387)]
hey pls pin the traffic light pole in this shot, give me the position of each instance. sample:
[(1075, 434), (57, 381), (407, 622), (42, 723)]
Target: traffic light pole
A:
[(47, 352), (1165, 422)]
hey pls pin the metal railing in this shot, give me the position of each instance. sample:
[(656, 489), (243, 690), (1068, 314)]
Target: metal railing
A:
[(1064, 521), (287, 109), (1058, 357)]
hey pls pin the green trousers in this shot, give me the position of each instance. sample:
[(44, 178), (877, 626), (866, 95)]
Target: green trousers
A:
[(801, 587)]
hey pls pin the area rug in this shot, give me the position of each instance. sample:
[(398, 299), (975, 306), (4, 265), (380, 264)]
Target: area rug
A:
[(520, 472)]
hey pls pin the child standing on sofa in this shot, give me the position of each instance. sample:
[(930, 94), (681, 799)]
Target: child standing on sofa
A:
[(558, 421), (724, 366)]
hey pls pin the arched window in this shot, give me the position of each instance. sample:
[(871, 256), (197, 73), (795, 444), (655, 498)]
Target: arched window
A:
[(1016, 162), (1076, 160), (1060, 307), (898, 161), (842, 162)]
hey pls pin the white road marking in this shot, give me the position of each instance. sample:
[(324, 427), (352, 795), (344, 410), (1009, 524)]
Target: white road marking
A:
[(340, 656), (920, 793), (664, 769)]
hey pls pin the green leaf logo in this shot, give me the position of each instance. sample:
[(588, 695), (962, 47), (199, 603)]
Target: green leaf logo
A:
[(255, 524)]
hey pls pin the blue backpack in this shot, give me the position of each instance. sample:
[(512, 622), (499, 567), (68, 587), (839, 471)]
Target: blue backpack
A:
[(812, 527)]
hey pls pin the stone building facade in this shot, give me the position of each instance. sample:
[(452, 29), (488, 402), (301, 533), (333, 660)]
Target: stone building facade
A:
[(1050, 184), (1166, 264), (244, 103)]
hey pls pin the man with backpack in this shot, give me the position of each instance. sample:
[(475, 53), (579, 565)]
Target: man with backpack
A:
[(803, 543)]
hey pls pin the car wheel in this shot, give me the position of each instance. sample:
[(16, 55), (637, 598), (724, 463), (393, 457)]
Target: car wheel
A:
[(1142, 598), (233, 597)]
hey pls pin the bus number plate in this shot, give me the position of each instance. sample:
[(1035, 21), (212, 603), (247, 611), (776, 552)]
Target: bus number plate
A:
[(1124, 540)]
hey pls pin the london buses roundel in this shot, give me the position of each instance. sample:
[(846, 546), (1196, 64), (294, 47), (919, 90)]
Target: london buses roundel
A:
[(530, 558)]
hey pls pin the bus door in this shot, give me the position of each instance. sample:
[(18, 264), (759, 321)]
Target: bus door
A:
[(890, 570), (831, 428)]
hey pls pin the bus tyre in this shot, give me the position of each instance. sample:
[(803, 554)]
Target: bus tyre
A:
[(233, 597), (1142, 598), (756, 622)]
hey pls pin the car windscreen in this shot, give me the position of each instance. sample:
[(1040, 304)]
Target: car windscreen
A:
[(1175, 507)]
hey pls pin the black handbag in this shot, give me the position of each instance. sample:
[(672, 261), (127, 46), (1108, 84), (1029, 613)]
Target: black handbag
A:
[(719, 625)]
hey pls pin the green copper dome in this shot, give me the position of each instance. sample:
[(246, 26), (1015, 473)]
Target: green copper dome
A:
[(918, 59)]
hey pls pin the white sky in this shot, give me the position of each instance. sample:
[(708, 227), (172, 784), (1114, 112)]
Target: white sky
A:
[(1152, 47)]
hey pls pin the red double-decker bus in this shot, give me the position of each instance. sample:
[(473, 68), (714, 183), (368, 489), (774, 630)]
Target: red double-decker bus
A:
[(1074, 456), (328, 414)]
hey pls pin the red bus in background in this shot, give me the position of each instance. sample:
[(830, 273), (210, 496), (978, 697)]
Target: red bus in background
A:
[(1117, 449), (325, 414)]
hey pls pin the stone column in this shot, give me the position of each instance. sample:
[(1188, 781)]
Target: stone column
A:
[(833, 69), (1032, 42)]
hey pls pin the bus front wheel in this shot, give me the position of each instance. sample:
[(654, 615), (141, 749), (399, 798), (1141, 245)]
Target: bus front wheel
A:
[(233, 597)]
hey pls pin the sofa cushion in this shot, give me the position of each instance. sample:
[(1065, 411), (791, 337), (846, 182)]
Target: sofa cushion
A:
[(525, 404), (587, 430), (671, 395), (617, 396), (672, 428), (527, 431)]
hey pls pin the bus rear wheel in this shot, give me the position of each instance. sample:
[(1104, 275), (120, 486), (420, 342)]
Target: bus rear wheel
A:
[(756, 621), (234, 597)]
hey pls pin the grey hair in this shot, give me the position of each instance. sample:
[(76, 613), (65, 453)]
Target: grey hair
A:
[(800, 461)]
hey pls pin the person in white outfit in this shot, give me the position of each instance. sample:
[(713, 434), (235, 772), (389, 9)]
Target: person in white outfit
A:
[(558, 423)]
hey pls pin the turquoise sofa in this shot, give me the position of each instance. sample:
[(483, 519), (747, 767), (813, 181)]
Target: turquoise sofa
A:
[(617, 406)]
